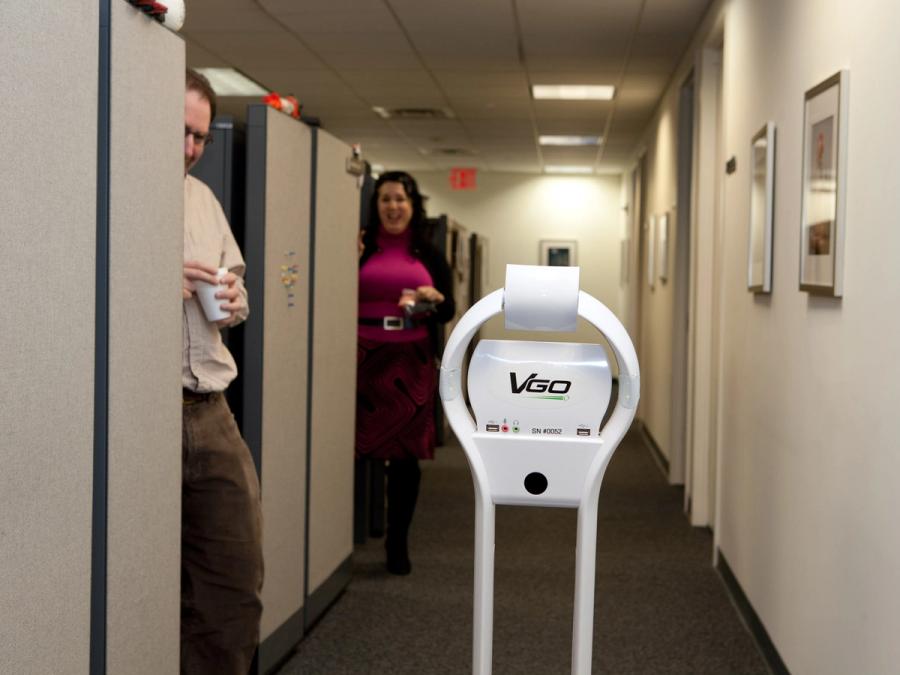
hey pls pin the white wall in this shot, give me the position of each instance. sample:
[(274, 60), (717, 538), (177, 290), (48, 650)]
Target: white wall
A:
[(656, 306), (516, 211), (807, 432)]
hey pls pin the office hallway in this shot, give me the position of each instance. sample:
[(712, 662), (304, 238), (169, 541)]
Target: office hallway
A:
[(660, 606)]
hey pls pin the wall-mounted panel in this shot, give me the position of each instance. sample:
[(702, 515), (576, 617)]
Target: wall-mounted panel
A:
[(334, 370), (48, 225), (275, 360), (146, 234)]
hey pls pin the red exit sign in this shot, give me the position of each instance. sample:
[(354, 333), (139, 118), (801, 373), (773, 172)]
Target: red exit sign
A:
[(463, 178)]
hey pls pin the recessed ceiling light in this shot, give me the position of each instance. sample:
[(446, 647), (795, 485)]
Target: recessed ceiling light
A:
[(229, 82), (568, 169), (574, 92), (570, 140)]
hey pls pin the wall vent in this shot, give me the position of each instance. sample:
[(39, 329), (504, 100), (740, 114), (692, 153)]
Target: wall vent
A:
[(448, 152), (414, 113)]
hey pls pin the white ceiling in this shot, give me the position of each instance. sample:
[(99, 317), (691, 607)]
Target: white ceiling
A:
[(475, 58)]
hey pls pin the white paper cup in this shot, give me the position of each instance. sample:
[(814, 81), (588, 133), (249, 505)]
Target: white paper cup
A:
[(206, 293)]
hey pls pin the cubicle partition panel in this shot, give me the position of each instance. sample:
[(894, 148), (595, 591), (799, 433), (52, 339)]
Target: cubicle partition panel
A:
[(146, 235), (275, 389), (90, 350), (333, 375), (48, 226)]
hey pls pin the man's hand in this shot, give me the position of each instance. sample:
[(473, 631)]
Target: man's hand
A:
[(197, 271), (231, 295)]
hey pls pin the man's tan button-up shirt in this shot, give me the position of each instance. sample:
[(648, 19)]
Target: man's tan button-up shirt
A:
[(206, 364)]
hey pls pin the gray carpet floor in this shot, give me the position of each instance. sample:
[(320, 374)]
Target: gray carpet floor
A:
[(660, 606)]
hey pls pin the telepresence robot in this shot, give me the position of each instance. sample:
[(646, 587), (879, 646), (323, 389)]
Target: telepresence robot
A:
[(536, 438)]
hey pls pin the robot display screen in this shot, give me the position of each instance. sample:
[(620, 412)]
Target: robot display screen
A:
[(539, 389)]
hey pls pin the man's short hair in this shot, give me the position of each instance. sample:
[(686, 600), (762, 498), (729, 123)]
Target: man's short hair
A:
[(194, 81)]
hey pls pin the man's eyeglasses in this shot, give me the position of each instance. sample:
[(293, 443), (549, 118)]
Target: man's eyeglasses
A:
[(199, 139)]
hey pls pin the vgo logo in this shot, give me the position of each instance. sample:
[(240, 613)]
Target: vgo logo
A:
[(554, 389)]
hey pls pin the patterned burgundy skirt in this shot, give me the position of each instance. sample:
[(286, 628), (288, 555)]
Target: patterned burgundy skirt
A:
[(395, 390)]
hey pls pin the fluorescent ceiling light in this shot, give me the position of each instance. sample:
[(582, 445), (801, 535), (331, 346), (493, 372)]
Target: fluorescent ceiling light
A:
[(229, 82), (574, 92), (568, 169), (382, 112), (570, 140)]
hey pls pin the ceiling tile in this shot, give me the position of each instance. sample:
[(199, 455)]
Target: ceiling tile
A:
[(340, 57), (235, 19), (268, 49)]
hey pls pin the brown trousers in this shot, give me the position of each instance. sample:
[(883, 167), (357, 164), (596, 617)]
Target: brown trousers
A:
[(221, 543)]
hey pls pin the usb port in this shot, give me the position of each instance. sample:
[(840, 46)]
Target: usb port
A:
[(583, 432), (492, 427)]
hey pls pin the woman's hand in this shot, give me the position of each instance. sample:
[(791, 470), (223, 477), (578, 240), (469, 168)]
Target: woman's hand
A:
[(429, 294)]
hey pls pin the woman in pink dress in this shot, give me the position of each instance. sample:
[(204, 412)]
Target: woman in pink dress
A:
[(404, 292)]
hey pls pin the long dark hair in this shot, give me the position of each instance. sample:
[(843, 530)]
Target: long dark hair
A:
[(418, 224)]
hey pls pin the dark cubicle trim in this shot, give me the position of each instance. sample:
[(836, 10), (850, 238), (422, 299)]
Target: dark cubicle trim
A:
[(255, 257), (254, 281), (278, 648), (99, 506), (314, 166), (327, 594)]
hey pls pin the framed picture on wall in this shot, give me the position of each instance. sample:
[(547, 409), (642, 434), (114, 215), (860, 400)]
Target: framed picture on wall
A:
[(762, 209), (662, 247), (824, 186), (558, 253), (651, 251)]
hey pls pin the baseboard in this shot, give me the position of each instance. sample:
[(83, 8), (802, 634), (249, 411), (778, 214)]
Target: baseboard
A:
[(279, 646), (318, 602), (751, 619), (658, 456)]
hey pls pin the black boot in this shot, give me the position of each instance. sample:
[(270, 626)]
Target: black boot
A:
[(402, 492)]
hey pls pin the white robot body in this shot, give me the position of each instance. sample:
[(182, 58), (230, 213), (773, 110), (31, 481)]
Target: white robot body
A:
[(537, 439), (538, 408)]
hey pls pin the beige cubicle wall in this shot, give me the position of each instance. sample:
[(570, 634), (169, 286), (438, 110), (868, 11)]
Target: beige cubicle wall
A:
[(275, 360), (48, 225), (146, 234), (90, 437), (333, 383)]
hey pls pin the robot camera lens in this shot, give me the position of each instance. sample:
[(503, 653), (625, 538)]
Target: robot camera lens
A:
[(536, 483)]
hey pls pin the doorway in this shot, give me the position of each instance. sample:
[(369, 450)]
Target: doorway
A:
[(704, 302), (681, 280)]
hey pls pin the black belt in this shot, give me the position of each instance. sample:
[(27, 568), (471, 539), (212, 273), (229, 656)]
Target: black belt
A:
[(189, 397), (386, 322)]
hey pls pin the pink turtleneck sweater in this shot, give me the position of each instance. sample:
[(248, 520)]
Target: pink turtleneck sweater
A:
[(381, 281)]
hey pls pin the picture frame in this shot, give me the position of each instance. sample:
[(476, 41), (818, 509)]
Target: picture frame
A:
[(558, 252), (651, 251), (822, 219), (662, 247), (762, 210)]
